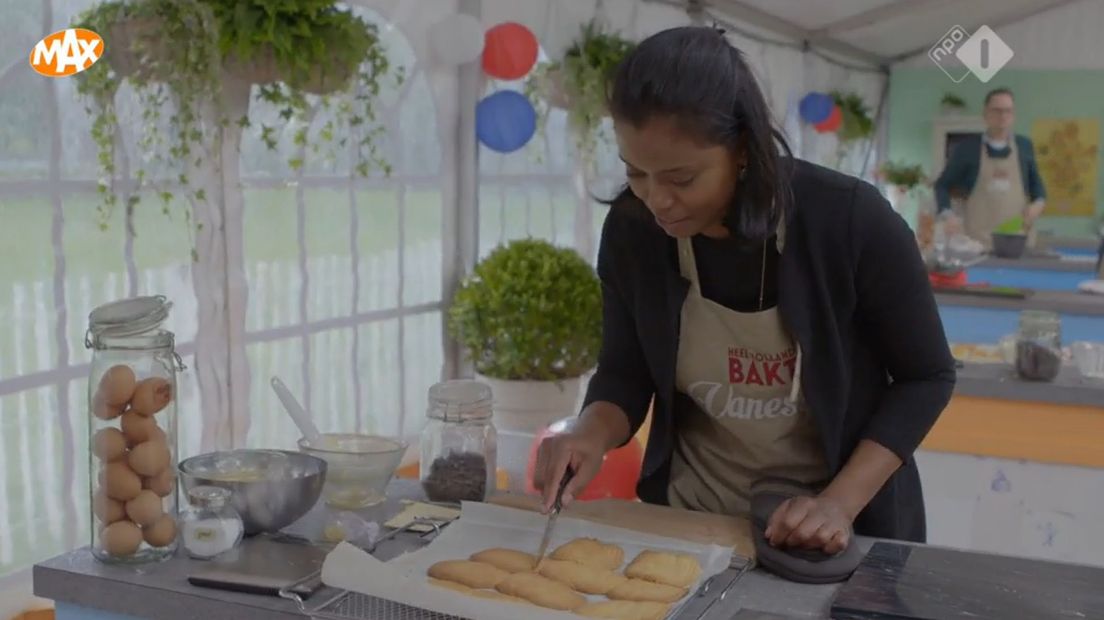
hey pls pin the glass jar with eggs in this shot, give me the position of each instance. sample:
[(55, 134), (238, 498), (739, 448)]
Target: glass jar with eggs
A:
[(132, 431)]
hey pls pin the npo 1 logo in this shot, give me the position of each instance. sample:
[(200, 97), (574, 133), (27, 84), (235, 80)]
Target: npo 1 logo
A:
[(959, 53), (66, 52)]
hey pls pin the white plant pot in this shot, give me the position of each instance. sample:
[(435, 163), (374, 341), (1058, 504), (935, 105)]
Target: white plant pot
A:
[(529, 406), (521, 410)]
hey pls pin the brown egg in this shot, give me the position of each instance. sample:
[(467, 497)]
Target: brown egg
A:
[(121, 538), (117, 385), (151, 395), (161, 533), (149, 458), (107, 510), (104, 411), (144, 509), (161, 484), (138, 428), (109, 444), (120, 482)]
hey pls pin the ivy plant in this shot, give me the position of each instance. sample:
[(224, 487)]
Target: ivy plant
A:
[(903, 175), (170, 77), (529, 311), (951, 100), (856, 121), (582, 74), (305, 55), (313, 45)]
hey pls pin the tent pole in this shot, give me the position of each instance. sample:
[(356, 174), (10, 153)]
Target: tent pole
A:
[(460, 234)]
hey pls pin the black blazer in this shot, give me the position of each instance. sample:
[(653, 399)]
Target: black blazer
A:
[(854, 292)]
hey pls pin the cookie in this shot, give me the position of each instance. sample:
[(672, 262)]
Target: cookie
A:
[(497, 596), (463, 589), (624, 610), (591, 552), (580, 577), (509, 560), (541, 591), (674, 569), (471, 574), (641, 590), (449, 585)]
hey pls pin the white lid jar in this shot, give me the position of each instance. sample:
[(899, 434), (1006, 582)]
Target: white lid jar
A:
[(132, 431), (459, 444)]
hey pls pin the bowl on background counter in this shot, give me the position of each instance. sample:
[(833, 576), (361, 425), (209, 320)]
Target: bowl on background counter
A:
[(270, 489), (359, 466), (1009, 245)]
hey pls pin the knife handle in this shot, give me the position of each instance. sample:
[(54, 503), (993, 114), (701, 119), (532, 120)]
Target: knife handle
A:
[(568, 474)]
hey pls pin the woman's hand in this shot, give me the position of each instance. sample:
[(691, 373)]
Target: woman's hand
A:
[(582, 451), (810, 523)]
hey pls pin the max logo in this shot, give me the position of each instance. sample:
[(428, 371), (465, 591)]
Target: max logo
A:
[(66, 52)]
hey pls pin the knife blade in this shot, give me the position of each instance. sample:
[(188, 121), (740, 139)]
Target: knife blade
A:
[(557, 505)]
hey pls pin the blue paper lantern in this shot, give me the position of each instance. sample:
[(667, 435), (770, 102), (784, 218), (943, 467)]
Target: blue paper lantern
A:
[(815, 107), (505, 121)]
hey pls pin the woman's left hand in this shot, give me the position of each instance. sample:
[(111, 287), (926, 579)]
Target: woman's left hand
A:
[(810, 523)]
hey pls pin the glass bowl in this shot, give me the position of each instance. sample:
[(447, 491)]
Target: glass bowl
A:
[(359, 467)]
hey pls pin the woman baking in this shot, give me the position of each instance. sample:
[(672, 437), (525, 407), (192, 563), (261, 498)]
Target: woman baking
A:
[(778, 313)]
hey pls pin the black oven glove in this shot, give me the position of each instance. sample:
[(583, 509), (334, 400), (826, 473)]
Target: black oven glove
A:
[(798, 565)]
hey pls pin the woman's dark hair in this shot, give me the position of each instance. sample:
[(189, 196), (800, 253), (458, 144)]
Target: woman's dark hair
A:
[(695, 75)]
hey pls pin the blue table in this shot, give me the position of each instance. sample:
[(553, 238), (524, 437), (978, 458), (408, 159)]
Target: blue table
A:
[(1036, 279)]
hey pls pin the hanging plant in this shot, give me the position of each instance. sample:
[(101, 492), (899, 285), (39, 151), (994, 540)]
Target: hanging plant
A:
[(309, 47), (902, 175), (951, 101), (306, 55), (856, 121), (577, 82), (172, 78)]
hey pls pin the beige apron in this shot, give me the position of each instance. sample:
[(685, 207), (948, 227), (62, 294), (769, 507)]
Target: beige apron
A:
[(743, 372), (998, 195)]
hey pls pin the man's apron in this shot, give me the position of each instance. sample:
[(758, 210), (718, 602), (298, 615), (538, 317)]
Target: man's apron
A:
[(997, 196)]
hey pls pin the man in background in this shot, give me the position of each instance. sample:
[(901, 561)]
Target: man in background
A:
[(995, 172)]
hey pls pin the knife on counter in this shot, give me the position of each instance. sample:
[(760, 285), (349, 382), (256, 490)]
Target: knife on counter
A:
[(557, 505)]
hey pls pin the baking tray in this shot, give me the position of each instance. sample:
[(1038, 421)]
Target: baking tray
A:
[(346, 605)]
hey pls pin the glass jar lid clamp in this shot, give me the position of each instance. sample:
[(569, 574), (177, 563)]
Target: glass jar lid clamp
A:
[(127, 318), (459, 400)]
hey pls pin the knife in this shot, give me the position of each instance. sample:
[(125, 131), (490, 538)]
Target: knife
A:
[(557, 505)]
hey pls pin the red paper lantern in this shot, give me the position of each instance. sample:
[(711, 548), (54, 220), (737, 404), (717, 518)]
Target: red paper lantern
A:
[(509, 51), (617, 478), (831, 123)]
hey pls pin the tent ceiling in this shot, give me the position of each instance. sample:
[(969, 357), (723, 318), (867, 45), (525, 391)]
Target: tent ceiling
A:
[(877, 30)]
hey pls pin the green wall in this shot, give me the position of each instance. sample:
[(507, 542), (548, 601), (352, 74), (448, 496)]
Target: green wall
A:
[(914, 96)]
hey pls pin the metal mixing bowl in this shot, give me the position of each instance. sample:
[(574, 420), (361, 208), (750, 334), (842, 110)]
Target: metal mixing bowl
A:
[(270, 489)]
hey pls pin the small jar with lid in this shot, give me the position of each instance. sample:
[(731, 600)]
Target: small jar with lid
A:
[(210, 526), (459, 444), (1039, 345), (132, 435)]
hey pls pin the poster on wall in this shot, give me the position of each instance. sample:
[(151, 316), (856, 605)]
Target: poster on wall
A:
[(1067, 150)]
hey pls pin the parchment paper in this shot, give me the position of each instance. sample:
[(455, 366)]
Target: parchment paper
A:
[(482, 526)]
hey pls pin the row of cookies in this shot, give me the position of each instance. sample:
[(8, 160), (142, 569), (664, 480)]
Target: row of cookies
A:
[(645, 590)]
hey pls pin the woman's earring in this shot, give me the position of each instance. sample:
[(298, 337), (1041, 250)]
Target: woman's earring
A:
[(743, 172)]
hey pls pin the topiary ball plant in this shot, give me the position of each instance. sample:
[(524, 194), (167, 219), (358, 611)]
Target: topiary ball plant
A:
[(530, 311)]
